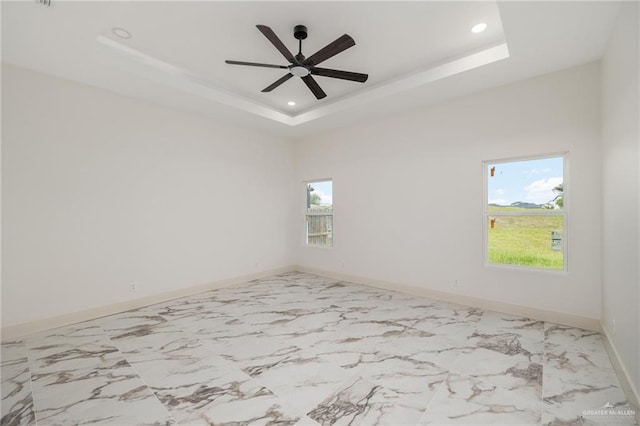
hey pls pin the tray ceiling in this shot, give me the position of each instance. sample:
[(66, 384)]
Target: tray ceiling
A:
[(176, 52)]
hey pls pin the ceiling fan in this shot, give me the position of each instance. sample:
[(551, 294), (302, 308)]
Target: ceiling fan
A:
[(303, 67)]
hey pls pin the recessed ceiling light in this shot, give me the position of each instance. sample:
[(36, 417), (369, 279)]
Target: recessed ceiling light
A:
[(291, 103), (478, 28), (121, 32)]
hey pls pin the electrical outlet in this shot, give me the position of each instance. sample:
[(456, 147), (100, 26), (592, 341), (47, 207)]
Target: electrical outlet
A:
[(455, 283), (133, 286)]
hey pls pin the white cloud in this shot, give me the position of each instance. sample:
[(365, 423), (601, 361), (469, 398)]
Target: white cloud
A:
[(500, 202), (541, 191), (499, 191)]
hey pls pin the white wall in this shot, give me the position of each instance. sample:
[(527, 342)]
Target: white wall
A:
[(100, 190), (621, 189), (408, 191)]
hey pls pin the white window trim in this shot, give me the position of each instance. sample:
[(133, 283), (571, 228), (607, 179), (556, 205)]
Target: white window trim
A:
[(564, 212), (305, 213)]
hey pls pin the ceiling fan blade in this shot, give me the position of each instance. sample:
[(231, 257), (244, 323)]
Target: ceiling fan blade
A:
[(314, 87), (255, 64), (273, 38), (343, 75), (341, 43), (277, 83)]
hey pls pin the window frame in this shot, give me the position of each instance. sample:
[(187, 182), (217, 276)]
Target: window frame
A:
[(305, 237), (564, 212)]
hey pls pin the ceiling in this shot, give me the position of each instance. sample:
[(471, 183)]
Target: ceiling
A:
[(416, 53)]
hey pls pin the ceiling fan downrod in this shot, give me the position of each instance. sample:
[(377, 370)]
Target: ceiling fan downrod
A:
[(300, 33)]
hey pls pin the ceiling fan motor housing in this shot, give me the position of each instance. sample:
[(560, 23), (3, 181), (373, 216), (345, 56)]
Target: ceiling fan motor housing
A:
[(300, 32)]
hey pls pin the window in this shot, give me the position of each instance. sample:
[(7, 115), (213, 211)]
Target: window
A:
[(319, 213), (525, 212)]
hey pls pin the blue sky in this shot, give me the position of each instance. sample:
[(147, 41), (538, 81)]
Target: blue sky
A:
[(325, 191), (531, 181)]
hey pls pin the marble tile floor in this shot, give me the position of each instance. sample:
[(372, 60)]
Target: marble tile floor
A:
[(298, 349)]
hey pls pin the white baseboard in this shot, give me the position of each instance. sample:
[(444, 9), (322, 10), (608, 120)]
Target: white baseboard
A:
[(629, 388), (16, 331), (586, 323)]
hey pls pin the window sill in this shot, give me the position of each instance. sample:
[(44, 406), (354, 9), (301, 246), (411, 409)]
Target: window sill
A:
[(317, 246), (526, 269)]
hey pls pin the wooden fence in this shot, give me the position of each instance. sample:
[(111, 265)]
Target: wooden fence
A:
[(320, 229)]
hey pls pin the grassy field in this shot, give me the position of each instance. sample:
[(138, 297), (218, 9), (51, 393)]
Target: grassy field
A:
[(525, 240)]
